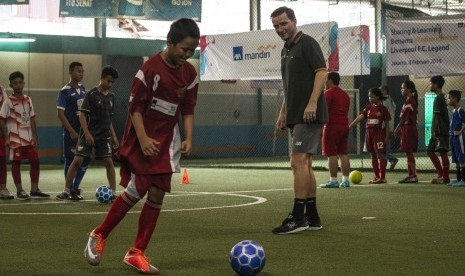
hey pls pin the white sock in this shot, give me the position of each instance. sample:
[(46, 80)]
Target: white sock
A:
[(344, 178), (66, 190), (333, 179)]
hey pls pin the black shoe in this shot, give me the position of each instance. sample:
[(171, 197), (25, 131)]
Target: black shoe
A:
[(393, 162), (39, 195), (291, 225), (75, 195), (409, 179), (22, 195), (314, 225)]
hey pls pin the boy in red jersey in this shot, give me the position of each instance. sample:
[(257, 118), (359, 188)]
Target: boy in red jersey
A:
[(4, 193), (163, 89), (336, 132), (407, 129), (17, 118), (377, 133)]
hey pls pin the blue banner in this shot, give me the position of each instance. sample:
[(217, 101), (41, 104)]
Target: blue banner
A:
[(165, 10), (14, 2)]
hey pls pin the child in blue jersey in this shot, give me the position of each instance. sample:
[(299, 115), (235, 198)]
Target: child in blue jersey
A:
[(457, 136), (69, 102)]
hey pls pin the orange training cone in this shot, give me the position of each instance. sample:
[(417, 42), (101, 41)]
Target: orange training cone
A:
[(185, 177)]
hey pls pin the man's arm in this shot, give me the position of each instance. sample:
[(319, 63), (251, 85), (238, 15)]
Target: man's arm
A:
[(66, 124), (318, 85), (281, 122)]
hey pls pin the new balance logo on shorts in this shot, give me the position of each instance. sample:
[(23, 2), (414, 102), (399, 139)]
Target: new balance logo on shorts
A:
[(298, 143)]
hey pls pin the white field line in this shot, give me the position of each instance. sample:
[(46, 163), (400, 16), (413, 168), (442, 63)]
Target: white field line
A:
[(258, 200)]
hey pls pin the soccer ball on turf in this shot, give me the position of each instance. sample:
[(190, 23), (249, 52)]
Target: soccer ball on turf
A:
[(355, 177), (247, 257), (104, 194)]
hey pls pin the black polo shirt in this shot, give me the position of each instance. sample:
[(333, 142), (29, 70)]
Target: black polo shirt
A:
[(99, 111), (300, 60)]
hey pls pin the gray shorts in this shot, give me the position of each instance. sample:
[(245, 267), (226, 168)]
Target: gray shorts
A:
[(306, 138)]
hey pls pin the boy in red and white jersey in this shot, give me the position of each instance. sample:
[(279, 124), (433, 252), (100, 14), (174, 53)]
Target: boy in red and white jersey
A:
[(17, 118)]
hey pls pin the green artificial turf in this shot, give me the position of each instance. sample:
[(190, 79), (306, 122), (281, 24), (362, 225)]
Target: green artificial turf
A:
[(390, 229)]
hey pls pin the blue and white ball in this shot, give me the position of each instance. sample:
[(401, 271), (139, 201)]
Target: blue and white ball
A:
[(247, 257), (104, 194)]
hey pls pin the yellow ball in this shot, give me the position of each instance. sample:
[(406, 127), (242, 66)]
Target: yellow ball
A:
[(355, 177)]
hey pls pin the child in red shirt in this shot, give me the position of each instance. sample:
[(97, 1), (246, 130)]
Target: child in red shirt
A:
[(407, 129), (377, 133)]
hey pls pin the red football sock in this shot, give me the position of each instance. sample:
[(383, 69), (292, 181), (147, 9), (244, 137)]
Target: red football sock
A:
[(2, 170), (34, 170), (118, 210), (436, 163), (147, 221), (375, 165), (445, 165), (382, 167), (411, 167)]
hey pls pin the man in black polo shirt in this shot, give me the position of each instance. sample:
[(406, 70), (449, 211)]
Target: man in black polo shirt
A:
[(304, 112), (97, 131)]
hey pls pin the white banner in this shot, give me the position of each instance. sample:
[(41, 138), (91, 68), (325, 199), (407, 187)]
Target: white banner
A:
[(354, 51), (425, 47), (257, 54)]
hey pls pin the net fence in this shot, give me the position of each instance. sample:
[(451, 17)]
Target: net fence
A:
[(235, 119)]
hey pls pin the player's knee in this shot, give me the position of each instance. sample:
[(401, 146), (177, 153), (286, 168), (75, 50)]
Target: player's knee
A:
[(155, 194), (299, 161), (129, 199), (108, 162), (154, 204)]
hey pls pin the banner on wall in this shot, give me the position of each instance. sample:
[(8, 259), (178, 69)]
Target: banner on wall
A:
[(256, 55), (425, 47), (14, 2), (164, 10), (354, 51)]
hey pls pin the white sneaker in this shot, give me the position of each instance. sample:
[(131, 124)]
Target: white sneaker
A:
[(5, 194)]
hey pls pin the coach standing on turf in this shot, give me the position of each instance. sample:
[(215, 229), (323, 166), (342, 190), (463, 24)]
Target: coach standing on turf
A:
[(304, 112)]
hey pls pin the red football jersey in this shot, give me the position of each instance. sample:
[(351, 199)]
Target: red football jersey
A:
[(338, 103), (376, 115), (160, 94), (409, 111)]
